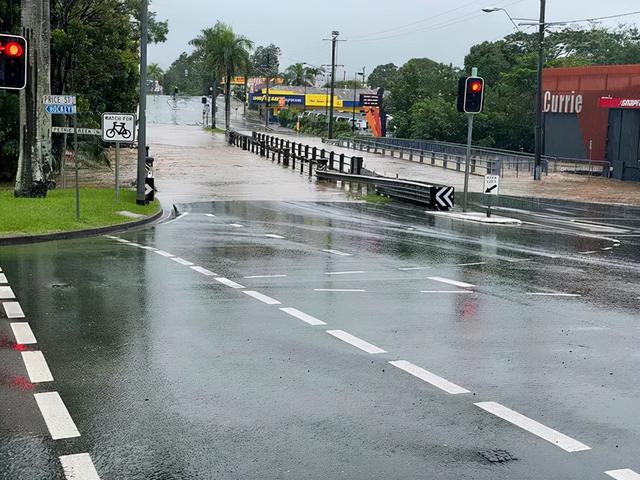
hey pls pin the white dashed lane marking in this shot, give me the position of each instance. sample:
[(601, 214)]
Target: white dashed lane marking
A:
[(354, 272), (6, 293), (229, 283), (13, 310), (624, 474), (3, 278), (462, 292), (429, 377), (411, 269), (558, 439), (355, 341), (470, 264), (337, 252), (182, 261), (548, 294), (273, 235), (263, 298), (204, 271), (79, 467), (163, 253), (23, 334), (455, 283), (342, 290), (37, 367), (303, 316), (237, 225), (265, 276), (56, 416)]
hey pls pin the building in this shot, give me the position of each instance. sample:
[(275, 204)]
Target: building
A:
[(594, 113)]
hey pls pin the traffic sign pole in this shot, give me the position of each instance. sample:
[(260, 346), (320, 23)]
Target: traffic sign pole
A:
[(75, 157), (465, 198), (117, 171)]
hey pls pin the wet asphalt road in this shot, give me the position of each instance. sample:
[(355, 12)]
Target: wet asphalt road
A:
[(168, 373)]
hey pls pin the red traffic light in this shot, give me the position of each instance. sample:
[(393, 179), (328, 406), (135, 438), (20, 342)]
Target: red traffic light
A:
[(475, 86), (13, 49)]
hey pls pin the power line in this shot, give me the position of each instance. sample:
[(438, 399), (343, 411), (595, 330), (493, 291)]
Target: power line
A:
[(594, 19)]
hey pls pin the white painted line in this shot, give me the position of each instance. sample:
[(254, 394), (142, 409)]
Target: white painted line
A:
[(355, 341), (303, 316), (429, 377), (0, 269), (590, 252), (273, 235), (518, 260), (262, 298), (79, 467), (354, 272), (163, 253), (3, 278), (605, 249), (6, 293), (56, 416), (237, 225), (337, 252), (343, 290), (204, 271), (470, 264), (23, 334), (266, 276), (122, 240), (182, 261), (545, 294), (229, 283), (624, 474), (151, 249), (111, 237), (461, 292), (13, 310), (181, 216), (455, 283), (558, 439), (210, 215), (411, 269), (37, 367)]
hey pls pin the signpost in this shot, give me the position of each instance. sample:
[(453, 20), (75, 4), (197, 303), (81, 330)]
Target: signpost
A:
[(66, 105), (491, 188), (116, 128)]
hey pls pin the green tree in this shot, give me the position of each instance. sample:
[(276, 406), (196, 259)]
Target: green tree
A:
[(154, 72), (265, 61), (383, 76), (295, 74)]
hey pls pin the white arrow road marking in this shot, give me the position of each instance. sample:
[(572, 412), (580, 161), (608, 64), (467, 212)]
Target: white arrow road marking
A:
[(355, 341), (56, 416), (429, 377), (79, 467)]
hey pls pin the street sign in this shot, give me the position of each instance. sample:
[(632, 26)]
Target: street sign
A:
[(444, 198), (369, 100), (59, 99), (61, 109), (492, 184), (81, 131), (118, 127)]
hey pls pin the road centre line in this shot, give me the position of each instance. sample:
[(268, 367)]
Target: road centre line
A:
[(337, 252), (302, 316), (37, 367), (263, 298), (355, 341), (23, 334), (3, 278), (341, 290), (429, 377), (624, 474), (455, 283), (462, 292), (558, 439), (182, 261), (547, 294), (79, 467), (163, 253), (6, 293), (265, 276), (56, 416), (229, 283), (204, 271), (354, 272), (13, 310)]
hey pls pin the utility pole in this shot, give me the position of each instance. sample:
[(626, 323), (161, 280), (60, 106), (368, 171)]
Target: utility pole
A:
[(537, 174), (355, 84), (268, 97), (334, 44), (142, 114)]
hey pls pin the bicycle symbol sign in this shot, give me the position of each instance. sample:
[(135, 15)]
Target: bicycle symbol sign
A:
[(118, 127)]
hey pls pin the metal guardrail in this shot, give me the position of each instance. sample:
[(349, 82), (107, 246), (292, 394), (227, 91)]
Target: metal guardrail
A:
[(331, 166)]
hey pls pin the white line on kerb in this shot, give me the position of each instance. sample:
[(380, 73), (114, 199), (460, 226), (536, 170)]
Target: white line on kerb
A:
[(355, 341), (23, 334), (229, 283), (182, 261), (411, 269), (265, 276), (337, 252), (452, 282), (37, 367), (546, 294), (3, 278), (462, 292), (163, 253), (210, 215), (204, 271), (13, 310), (470, 264), (429, 377), (560, 440), (122, 240), (343, 290), (56, 416), (237, 225), (624, 474), (354, 272), (273, 235), (133, 244), (302, 316), (6, 293), (151, 249), (262, 298), (79, 467)]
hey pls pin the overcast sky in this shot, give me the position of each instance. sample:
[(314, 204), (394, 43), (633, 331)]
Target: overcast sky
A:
[(376, 31)]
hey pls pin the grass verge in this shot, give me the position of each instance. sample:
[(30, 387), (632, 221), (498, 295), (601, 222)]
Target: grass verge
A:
[(376, 199), (57, 212)]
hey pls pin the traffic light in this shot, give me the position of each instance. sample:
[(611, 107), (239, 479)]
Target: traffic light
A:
[(470, 94), (13, 62)]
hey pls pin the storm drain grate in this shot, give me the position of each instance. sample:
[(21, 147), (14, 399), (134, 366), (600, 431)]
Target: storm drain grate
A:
[(497, 456)]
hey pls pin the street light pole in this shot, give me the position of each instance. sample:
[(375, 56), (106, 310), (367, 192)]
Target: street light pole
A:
[(334, 43), (537, 174), (142, 114)]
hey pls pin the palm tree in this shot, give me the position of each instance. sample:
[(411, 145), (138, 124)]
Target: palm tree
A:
[(226, 53), (295, 74), (154, 72), (311, 73)]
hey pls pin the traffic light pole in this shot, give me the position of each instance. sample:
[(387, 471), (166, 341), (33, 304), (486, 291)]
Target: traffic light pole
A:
[(142, 123), (537, 174), (465, 198)]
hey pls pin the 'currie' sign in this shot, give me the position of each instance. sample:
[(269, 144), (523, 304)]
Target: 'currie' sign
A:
[(562, 103)]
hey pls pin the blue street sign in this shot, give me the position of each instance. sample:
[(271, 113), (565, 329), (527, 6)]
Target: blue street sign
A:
[(61, 109)]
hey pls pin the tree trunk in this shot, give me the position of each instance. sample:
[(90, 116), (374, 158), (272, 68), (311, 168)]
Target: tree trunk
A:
[(34, 162), (227, 102)]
